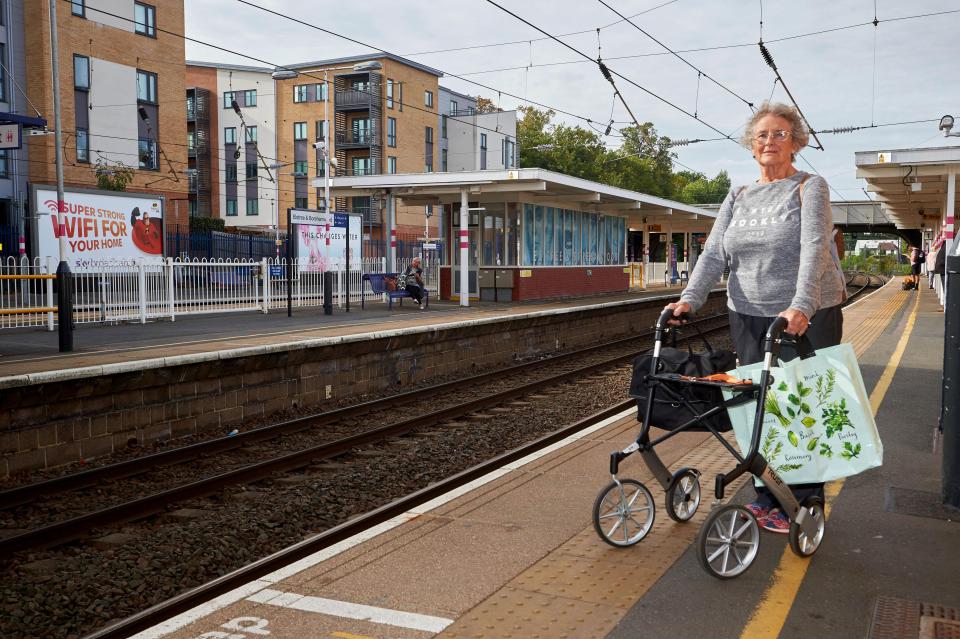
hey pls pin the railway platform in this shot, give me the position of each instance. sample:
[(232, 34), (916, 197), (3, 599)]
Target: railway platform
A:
[(513, 554)]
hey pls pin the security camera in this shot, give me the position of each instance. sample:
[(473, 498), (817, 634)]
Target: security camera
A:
[(320, 145), (946, 123), (236, 154)]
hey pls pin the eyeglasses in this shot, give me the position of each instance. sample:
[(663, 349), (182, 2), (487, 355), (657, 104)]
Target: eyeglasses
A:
[(776, 136)]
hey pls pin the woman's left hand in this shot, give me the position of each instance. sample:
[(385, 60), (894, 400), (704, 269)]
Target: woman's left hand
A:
[(797, 322)]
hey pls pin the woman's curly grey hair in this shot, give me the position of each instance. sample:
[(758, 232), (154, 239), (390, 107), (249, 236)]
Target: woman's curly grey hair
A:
[(798, 128)]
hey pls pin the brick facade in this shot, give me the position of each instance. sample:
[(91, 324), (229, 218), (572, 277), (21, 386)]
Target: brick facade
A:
[(545, 282)]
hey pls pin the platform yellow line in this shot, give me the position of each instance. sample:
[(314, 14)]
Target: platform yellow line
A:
[(768, 617)]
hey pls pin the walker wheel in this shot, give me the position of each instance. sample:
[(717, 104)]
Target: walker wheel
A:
[(623, 513), (728, 542), (802, 544), (683, 495)]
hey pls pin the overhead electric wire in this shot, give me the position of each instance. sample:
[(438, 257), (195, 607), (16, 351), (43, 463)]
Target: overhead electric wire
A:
[(370, 46), (679, 57), (562, 35), (606, 71), (768, 58), (710, 48)]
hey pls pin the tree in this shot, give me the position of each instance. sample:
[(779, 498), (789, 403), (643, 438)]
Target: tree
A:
[(113, 177), (702, 190), (485, 105)]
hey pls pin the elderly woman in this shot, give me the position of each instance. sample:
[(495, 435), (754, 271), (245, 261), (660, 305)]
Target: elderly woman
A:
[(775, 236), (413, 278)]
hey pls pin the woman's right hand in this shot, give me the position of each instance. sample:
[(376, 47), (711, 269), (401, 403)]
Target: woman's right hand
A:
[(679, 309)]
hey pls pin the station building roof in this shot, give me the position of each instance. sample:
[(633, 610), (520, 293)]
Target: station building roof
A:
[(529, 185), (891, 175)]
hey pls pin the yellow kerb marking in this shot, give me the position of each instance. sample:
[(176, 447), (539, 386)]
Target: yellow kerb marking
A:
[(768, 617), (349, 635)]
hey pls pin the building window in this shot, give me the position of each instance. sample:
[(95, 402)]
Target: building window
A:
[(443, 160), (363, 86), (81, 72), (250, 98), (300, 166), (191, 142), (392, 132), (361, 166), (391, 165), (251, 170), (228, 99), (3, 71), (428, 134), (145, 19), (299, 130), (77, 8), (148, 154), (300, 202), (230, 135), (300, 93), (507, 153), (251, 134), (231, 173), (146, 86), (231, 207), (443, 127), (454, 107), (321, 129), (321, 90), (253, 207), (428, 166), (83, 146), (389, 93), (428, 98), (4, 169), (483, 151)]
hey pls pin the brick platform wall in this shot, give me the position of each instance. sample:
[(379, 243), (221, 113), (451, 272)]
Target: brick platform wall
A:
[(58, 422), (569, 281)]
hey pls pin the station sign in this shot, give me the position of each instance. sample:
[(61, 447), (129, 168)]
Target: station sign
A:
[(429, 245), (11, 136), (316, 218)]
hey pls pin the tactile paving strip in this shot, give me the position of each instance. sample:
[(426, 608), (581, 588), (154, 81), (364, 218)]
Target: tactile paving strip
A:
[(586, 586)]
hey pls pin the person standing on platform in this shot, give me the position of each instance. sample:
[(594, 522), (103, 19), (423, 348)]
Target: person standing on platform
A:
[(776, 237), (916, 261), (413, 277)]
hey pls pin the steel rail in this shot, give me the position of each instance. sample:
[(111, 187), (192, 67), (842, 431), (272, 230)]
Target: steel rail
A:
[(140, 465), (77, 527), (201, 594)]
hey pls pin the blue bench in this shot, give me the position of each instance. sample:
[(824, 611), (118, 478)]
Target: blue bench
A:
[(378, 286)]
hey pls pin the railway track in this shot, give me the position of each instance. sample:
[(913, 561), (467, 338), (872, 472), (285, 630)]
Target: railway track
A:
[(35, 498)]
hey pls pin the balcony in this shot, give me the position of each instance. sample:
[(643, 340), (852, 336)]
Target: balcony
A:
[(370, 216), (359, 170), (356, 139), (352, 100)]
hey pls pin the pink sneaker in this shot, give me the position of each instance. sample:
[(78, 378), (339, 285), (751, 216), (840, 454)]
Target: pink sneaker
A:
[(776, 522), (758, 510)]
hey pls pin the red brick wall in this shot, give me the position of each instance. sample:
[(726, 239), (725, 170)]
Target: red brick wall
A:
[(562, 281), (569, 281)]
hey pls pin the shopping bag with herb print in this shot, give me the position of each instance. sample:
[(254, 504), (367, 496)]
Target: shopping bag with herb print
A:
[(818, 425)]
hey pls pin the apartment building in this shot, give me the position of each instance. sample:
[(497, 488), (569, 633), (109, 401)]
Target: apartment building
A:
[(231, 115), (14, 162), (122, 93), (474, 141), (383, 112)]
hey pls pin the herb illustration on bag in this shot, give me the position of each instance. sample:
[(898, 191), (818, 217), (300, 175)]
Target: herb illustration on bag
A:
[(835, 417), (824, 388)]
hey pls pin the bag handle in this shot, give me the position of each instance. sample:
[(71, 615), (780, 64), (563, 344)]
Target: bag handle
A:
[(802, 345)]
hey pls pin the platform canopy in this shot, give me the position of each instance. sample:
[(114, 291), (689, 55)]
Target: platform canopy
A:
[(916, 187), (530, 185)]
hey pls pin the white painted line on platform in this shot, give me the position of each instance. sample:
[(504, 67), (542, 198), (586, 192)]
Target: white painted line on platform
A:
[(201, 611), (248, 591), (347, 610)]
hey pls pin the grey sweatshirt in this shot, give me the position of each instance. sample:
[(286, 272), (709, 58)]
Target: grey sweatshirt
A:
[(779, 255)]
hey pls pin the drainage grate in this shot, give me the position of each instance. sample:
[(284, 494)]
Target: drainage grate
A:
[(895, 618)]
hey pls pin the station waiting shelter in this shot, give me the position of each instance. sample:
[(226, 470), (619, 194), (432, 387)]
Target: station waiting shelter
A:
[(537, 234)]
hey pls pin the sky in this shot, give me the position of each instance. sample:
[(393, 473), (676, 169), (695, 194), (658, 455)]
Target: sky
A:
[(900, 70)]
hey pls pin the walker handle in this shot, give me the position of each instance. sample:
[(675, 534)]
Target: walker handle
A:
[(773, 333), (665, 317)]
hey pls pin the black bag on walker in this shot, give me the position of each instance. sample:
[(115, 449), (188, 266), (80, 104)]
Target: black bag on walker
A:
[(668, 412)]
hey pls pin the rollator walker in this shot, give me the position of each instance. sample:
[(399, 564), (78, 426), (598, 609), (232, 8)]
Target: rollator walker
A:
[(727, 544)]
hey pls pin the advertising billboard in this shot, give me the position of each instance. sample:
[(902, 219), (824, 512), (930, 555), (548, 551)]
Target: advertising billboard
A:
[(311, 242), (101, 227)]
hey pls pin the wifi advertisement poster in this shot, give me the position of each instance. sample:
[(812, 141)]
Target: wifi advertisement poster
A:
[(100, 229)]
